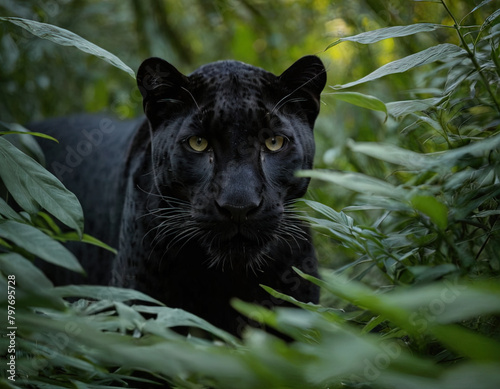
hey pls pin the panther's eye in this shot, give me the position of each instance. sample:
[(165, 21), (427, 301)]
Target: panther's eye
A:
[(275, 143), (197, 143)]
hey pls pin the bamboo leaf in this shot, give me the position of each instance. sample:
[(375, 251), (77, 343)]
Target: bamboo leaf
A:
[(434, 209), (15, 128), (481, 147), (7, 211), (361, 100), (399, 109), (67, 38), (483, 3), (413, 160), (425, 309), (447, 301), (85, 238), (388, 32), (103, 293), (489, 19), (32, 286), (45, 221), (24, 140), (470, 344), (38, 134), (440, 52), (27, 274), (256, 312), (357, 182), (32, 186), (363, 297), (330, 314), (36, 242), (338, 217), (391, 153), (175, 317)]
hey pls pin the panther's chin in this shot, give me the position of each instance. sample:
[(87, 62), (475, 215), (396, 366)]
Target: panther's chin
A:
[(239, 252)]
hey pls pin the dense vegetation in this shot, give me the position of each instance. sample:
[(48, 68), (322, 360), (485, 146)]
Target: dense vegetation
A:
[(404, 199)]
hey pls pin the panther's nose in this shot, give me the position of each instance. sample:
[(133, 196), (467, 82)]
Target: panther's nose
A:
[(238, 213), (239, 191)]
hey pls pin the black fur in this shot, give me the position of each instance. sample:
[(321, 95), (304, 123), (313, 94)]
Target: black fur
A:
[(197, 228)]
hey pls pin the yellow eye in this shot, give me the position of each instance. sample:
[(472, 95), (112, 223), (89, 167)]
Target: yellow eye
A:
[(275, 143), (197, 143)]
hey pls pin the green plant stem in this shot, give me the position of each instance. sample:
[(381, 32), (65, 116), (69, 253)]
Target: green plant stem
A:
[(495, 59), (472, 57), (490, 232)]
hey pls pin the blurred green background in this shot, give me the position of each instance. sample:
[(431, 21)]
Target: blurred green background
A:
[(40, 79)]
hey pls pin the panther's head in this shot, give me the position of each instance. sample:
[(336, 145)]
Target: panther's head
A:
[(226, 142)]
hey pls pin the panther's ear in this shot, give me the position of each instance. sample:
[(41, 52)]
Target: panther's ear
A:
[(161, 85), (303, 83)]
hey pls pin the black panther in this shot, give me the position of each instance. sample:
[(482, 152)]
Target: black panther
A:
[(198, 196)]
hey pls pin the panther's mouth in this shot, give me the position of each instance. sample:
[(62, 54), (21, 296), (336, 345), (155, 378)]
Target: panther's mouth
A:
[(238, 247), (241, 239), (239, 233)]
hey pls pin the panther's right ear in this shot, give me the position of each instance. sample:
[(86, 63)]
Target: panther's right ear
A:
[(160, 84), (304, 81)]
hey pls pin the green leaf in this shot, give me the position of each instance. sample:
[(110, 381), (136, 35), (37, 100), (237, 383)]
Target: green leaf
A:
[(256, 312), (57, 357), (363, 297), (440, 52), (38, 134), (149, 354), (446, 302), (479, 148), (430, 206), (67, 38), (36, 242), (361, 100), (425, 274), (389, 32), (103, 293), (399, 109), (489, 19), (338, 217), (357, 182), (417, 161), (43, 220), (73, 237), (175, 317), (7, 212), (31, 185), (15, 128), (390, 153), (27, 275), (330, 314), (421, 310), (33, 288), (467, 343), (483, 3), (24, 140)]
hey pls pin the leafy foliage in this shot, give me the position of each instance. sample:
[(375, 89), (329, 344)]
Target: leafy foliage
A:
[(67, 38), (411, 263)]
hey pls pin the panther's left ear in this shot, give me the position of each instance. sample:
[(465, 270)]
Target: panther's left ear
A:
[(160, 84), (306, 78)]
